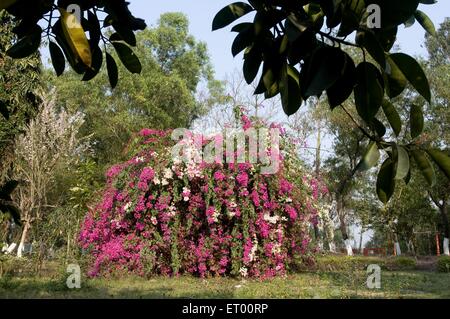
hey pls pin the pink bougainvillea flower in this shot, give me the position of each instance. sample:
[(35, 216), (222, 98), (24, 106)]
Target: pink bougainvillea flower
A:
[(161, 215)]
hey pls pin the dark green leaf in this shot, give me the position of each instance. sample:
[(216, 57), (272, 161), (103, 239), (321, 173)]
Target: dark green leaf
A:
[(392, 116), (295, 27), (386, 181), (260, 88), (425, 166), (410, 22), (378, 127), (370, 158), (369, 41), (113, 73), (302, 47), (57, 56), (128, 57), (126, 34), (402, 159), (97, 61), (413, 73), (229, 14), (291, 98), (108, 21), (340, 91), (27, 45), (441, 159), (368, 91), (386, 37), (394, 78), (272, 91), (333, 12), (352, 14), (416, 120), (425, 22), (252, 63), (243, 40), (241, 27), (94, 29), (322, 71)]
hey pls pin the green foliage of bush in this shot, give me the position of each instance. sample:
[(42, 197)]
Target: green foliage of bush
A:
[(339, 263), (17, 267), (400, 263), (443, 264), (345, 263)]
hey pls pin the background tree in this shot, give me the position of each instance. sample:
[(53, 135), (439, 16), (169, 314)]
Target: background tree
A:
[(343, 167), (407, 218), (235, 95), (50, 141), (18, 105), (438, 117)]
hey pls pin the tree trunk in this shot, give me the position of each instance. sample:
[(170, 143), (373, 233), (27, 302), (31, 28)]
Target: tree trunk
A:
[(398, 251), (9, 232), (317, 234), (343, 228), (26, 228), (361, 241), (410, 247), (443, 211), (318, 237), (328, 230)]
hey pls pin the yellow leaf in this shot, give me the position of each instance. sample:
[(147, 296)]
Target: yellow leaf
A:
[(5, 4), (75, 36)]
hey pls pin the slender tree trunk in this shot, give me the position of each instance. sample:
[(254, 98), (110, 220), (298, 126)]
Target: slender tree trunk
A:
[(398, 251), (361, 240), (328, 230), (413, 248), (443, 210), (317, 234), (343, 227), (9, 230), (26, 228)]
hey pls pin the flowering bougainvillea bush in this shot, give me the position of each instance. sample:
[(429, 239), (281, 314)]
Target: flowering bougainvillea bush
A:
[(163, 216)]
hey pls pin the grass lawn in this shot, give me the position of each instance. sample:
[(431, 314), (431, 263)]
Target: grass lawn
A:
[(400, 284)]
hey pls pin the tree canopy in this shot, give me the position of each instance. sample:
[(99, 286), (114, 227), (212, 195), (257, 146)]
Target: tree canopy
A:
[(18, 105), (174, 66), (300, 47), (67, 24)]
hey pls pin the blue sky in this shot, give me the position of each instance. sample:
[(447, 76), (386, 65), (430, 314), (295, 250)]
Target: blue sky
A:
[(201, 14)]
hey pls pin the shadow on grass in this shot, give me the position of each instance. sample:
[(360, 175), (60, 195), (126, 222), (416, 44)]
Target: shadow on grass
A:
[(38, 288), (337, 285)]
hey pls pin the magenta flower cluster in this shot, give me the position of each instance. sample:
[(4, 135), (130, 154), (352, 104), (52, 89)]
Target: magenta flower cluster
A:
[(159, 216)]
